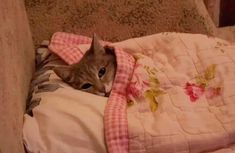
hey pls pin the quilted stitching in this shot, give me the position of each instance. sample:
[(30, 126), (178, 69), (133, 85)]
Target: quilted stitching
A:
[(116, 132)]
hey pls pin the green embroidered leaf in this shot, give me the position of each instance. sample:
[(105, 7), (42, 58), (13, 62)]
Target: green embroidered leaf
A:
[(154, 83), (150, 71), (153, 105), (147, 68), (153, 71), (150, 95), (157, 93), (202, 81), (210, 72), (130, 103)]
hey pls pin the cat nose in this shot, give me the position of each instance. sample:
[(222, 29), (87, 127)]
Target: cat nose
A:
[(108, 87)]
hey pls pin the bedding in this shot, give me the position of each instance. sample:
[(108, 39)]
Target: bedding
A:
[(173, 92), (59, 118)]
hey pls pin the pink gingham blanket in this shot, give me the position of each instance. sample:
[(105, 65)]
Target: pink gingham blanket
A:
[(66, 45), (173, 92)]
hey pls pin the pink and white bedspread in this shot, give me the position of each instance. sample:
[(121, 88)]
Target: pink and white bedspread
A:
[(173, 92)]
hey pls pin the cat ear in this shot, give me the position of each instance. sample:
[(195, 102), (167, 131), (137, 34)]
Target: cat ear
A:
[(65, 73), (96, 47)]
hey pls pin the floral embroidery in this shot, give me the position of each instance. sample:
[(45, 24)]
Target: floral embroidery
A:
[(202, 85), (194, 91), (144, 84), (138, 84), (151, 95), (150, 71), (134, 89), (213, 92)]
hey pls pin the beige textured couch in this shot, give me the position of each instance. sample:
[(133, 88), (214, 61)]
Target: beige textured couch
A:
[(17, 66)]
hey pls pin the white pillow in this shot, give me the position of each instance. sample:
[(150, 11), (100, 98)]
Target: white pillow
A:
[(66, 121)]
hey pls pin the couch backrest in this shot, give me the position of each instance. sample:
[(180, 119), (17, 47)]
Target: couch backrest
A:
[(16, 68)]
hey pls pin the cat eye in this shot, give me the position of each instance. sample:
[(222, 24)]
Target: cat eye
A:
[(101, 72), (86, 86)]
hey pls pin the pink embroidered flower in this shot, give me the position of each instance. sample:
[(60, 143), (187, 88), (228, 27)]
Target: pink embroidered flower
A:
[(137, 85), (213, 92), (194, 91), (133, 90)]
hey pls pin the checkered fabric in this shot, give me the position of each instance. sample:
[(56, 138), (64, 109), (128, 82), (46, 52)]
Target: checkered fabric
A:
[(65, 45), (116, 128)]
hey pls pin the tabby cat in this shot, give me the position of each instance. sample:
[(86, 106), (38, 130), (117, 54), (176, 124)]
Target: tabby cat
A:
[(94, 73)]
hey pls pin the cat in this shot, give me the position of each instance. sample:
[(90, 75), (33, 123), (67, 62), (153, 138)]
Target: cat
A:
[(94, 73)]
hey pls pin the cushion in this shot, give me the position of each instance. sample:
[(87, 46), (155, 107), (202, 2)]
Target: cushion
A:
[(59, 118)]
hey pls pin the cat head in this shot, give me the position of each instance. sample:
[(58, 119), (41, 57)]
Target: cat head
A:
[(94, 73)]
